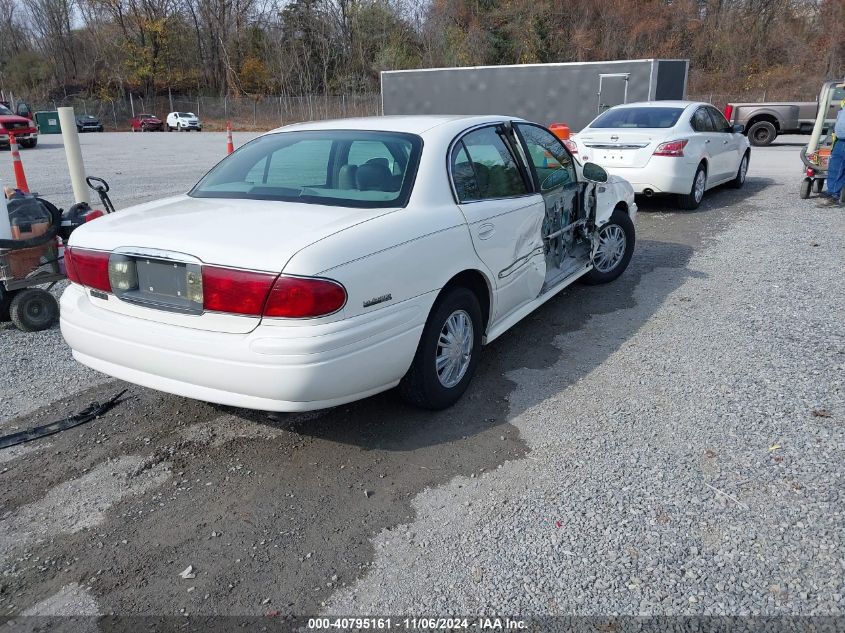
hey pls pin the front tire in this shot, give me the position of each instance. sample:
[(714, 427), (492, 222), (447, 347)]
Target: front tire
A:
[(617, 239), (741, 172), (447, 354), (691, 200), (33, 310), (762, 133)]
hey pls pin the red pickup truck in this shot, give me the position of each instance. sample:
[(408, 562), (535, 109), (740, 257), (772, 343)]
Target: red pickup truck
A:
[(24, 129)]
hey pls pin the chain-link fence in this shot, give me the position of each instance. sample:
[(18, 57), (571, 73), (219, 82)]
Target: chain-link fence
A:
[(245, 113)]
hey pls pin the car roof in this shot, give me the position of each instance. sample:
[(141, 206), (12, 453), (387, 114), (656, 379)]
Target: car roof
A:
[(412, 124), (660, 104)]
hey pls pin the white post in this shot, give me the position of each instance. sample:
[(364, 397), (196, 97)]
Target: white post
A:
[(73, 152), (5, 225)]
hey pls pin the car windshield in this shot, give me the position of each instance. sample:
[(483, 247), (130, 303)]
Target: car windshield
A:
[(638, 118), (5, 111), (146, 116), (347, 168), (186, 115)]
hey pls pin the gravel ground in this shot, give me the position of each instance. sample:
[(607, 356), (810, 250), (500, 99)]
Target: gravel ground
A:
[(668, 444), (697, 470)]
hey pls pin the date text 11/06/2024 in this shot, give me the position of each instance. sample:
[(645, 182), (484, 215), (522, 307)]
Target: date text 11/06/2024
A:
[(418, 624)]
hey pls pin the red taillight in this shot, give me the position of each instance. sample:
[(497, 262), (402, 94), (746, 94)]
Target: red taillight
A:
[(811, 172), (235, 291), (93, 215), (88, 268), (571, 146), (729, 110), (303, 297), (671, 148)]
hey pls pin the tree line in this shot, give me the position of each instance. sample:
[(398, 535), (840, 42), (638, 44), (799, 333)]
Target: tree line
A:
[(109, 48)]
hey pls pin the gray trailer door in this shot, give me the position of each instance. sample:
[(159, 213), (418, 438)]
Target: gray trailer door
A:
[(613, 90)]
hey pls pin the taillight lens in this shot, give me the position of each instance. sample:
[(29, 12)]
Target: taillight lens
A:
[(235, 291), (729, 110), (671, 148), (304, 297), (571, 146), (88, 268)]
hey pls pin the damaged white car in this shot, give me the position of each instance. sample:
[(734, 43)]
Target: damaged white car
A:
[(328, 261)]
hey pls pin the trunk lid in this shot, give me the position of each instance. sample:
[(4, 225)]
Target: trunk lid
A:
[(254, 235), (620, 147)]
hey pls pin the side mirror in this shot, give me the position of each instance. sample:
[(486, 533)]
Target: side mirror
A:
[(738, 128), (594, 173)]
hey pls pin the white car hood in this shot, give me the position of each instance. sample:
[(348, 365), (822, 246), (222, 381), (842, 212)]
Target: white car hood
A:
[(251, 234)]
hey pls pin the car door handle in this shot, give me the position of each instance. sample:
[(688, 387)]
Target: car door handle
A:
[(485, 231), (725, 142), (707, 140)]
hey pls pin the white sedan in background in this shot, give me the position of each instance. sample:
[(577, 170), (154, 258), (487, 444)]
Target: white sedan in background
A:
[(328, 261), (660, 147)]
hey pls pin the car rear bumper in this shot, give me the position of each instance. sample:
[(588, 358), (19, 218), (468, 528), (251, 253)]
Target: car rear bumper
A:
[(661, 175), (276, 367)]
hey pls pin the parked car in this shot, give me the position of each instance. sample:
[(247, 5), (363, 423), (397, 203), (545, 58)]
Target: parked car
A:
[(183, 121), (26, 134), (328, 261), (765, 121), (146, 123), (660, 147), (88, 123)]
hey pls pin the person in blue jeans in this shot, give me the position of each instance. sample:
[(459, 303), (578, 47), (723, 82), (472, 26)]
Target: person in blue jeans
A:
[(836, 166)]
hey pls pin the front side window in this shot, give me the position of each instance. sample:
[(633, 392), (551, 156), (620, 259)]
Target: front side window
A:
[(551, 162), (483, 167), (720, 123), (367, 169)]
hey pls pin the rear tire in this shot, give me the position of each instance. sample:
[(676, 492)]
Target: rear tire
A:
[(741, 172), (762, 133), (691, 200), (804, 191), (619, 237), (33, 310), (447, 354)]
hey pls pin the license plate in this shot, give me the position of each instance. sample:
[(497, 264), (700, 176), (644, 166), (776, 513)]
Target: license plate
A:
[(162, 279)]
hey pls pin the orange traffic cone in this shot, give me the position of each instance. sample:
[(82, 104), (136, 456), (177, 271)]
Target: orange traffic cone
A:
[(230, 147), (17, 165)]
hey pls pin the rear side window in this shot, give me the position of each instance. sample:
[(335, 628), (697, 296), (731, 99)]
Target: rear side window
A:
[(483, 168), (647, 118), (701, 121)]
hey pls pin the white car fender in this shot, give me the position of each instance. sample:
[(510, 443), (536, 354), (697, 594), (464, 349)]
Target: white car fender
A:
[(609, 195)]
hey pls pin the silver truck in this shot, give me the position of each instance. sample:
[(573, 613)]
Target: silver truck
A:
[(764, 121)]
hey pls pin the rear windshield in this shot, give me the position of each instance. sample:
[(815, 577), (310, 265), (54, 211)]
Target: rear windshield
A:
[(348, 168), (638, 118)]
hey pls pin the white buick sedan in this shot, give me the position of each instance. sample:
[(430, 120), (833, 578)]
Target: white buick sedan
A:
[(325, 262), (677, 147)]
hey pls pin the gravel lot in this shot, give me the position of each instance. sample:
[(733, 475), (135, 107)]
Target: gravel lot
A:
[(669, 444)]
